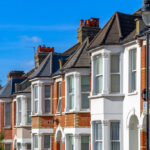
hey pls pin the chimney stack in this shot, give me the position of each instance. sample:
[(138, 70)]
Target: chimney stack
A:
[(88, 28), (15, 75), (42, 52)]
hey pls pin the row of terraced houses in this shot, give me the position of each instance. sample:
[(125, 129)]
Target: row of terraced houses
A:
[(85, 98)]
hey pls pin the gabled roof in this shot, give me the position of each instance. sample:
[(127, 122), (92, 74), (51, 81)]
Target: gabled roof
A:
[(49, 66), (80, 58), (116, 30), (9, 88)]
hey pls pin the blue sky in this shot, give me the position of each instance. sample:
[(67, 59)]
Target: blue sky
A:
[(25, 24)]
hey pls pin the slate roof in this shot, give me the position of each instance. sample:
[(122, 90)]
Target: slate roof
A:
[(49, 66), (9, 88), (119, 28), (80, 58)]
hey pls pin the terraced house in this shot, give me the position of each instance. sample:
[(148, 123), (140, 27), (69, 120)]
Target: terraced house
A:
[(86, 98)]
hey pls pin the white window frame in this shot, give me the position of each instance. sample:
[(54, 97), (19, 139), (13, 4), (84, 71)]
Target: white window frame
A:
[(115, 73), (5, 125), (116, 141), (48, 99), (132, 71), (95, 132), (35, 99), (44, 141), (81, 140), (87, 92), (19, 110), (97, 75), (59, 104)]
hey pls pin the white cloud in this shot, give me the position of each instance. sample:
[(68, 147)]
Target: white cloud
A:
[(34, 39), (28, 64)]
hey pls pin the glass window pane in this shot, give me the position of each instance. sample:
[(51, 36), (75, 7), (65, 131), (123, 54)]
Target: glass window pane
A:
[(98, 65), (28, 111), (7, 146), (115, 63), (71, 143), (47, 106), (115, 83), (71, 84), (115, 146), (71, 101), (59, 106), (46, 141), (85, 101), (133, 81), (133, 59), (115, 131), (98, 131), (35, 141), (7, 114), (35, 91), (28, 146), (84, 142), (47, 91), (98, 146), (85, 83), (99, 84), (59, 89), (35, 106)]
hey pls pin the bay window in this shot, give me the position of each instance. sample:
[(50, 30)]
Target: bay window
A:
[(85, 91), (115, 73), (47, 98), (19, 111), (35, 98), (7, 114), (98, 71), (59, 98), (47, 142), (98, 136), (115, 135), (85, 142), (70, 81), (132, 70)]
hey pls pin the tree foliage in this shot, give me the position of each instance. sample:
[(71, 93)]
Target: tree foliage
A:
[(1, 139)]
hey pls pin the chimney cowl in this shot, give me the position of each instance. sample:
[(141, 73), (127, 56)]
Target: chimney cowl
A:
[(15, 74), (45, 49)]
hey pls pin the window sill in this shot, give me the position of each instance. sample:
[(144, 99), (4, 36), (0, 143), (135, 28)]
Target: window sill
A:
[(133, 93), (7, 127), (80, 111), (42, 115), (106, 95), (22, 126)]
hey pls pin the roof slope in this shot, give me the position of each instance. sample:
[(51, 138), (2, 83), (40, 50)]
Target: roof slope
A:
[(116, 30), (80, 58), (9, 88)]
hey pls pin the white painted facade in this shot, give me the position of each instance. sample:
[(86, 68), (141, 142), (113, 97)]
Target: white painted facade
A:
[(123, 106)]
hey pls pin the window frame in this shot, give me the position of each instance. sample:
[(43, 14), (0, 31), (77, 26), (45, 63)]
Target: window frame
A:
[(81, 140), (98, 56), (115, 141), (115, 73), (83, 92), (95, 132), (59, 104), (131, 71), (48, 99), (68, 145), (35, 99), (50, 144), (5, 125), (35, 148)]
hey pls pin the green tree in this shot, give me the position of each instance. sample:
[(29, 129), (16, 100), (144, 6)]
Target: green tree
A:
[(1, 139)]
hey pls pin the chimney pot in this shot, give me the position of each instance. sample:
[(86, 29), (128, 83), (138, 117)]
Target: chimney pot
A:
[(81, 23)]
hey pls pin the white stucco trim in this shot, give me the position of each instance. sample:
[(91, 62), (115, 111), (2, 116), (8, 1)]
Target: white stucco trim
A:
[(59, 79), (41, 131), (59, 128), (77, 131), (5, 100), (25, 140), (7, 141)]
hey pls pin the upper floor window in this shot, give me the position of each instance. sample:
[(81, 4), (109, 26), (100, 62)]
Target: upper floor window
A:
[(132, 70), (47, 98), (35, 98), (70, 81), (115, 135), (19, 111), (98, 136), (7, 114), (85, 91), (98, 72), (59, 98), (28, 111), (115, 73)]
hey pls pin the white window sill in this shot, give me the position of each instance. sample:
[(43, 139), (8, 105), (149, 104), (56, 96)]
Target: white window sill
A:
[(106, 95), (7, 127), (42, 115), (22, 126), (74, 111), (133, 93)]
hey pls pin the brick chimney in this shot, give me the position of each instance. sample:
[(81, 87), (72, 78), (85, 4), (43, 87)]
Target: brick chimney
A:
[(88, 28), (42, 52), (15, 74)]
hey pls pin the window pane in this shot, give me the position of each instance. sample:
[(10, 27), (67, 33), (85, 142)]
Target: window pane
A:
[(114, 131), (133, 59), (29, 111), (98, 131), (99, 84), (59, 106), (115, 146), (28, 146), (133, 81), (71, 84), (7, 114), (84, 142), (59, 89), (98, 146), (115, 83), (71, 143), (47, 91), (35, 91), (47, 106), (35, 106), (35, 141), (19, 111), (46, 141), (85, 101), (98, 65), (115, 63), (71, 101), (7, 146), (85, 83)]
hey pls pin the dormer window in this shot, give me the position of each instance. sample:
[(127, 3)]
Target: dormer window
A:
[(47, 98), (98, 70), (35, 98)]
